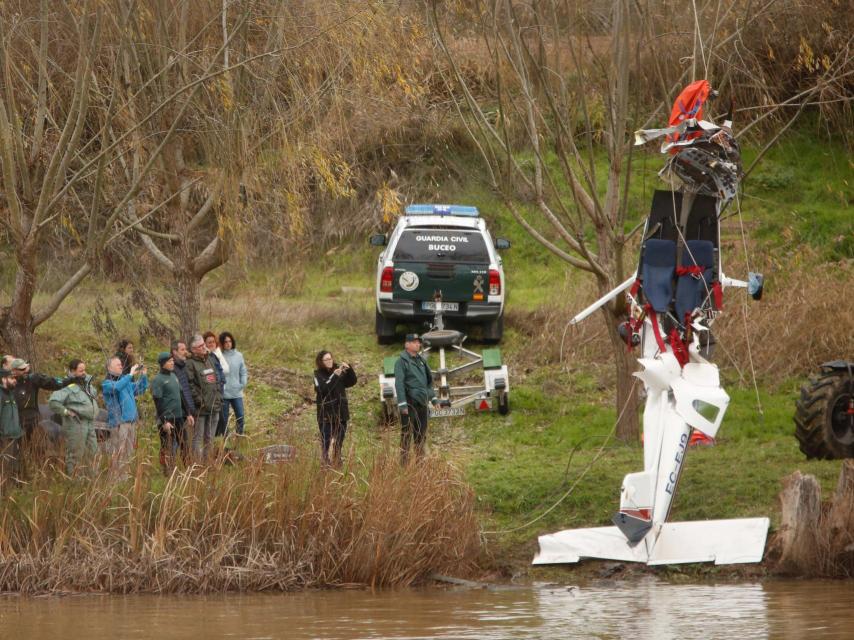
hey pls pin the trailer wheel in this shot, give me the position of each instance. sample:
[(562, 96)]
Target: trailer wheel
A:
[(823, 425), (385, 329), (504, 404), (388, 415)]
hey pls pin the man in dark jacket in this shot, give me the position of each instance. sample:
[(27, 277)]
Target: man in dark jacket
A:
[(179, 355), (413, 382), (171, 412), (27, 385), (10, 430), (207, 396)]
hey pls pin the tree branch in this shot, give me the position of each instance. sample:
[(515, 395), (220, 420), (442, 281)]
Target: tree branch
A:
[(212, 257), (53, 304)]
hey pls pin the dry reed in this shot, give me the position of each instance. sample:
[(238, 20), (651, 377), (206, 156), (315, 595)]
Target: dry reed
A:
[(252, 528)]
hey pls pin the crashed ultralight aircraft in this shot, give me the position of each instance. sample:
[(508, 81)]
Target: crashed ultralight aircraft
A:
[(674, 297)]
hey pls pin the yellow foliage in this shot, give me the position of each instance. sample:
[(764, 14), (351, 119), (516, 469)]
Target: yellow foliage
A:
[(294, 211), (806, 57), (334, 172), (226, 92), (68, 225), (389, 202)]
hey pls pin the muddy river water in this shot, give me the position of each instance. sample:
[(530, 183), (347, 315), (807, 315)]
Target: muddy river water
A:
[(644, 609)]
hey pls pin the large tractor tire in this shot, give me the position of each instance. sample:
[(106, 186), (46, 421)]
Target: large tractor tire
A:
[(824, 421)]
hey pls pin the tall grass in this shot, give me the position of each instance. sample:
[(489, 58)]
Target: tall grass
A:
[(256, 527)]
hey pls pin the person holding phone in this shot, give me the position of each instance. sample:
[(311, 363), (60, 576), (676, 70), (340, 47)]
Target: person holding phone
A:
[(331, 381), (120, 392)]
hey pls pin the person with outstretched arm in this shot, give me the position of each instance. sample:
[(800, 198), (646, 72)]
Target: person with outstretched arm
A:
[(120, 392), (26, 390)]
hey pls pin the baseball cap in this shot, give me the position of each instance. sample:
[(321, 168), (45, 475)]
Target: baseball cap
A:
[(19, 363), (410, 337)]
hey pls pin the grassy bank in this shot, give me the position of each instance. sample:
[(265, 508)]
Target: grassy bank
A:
[(552, 463)]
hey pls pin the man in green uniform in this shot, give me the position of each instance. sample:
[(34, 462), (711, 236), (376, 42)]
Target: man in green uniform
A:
[(77, 406), (171, 413), (413, 382), (10, 431)]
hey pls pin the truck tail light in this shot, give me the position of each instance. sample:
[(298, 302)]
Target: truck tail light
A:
[(387, 279), (494, 282)]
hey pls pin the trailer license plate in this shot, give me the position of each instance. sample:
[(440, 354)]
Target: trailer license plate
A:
[(446, 306), (447, 412)]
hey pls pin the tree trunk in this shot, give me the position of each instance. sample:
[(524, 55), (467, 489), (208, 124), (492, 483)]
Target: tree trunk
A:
[(188, 303), (628, 400), (840, 521), (18, 338), (16, 324), (801, 512)]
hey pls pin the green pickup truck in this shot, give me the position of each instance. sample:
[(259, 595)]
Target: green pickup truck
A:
[(440, 248)]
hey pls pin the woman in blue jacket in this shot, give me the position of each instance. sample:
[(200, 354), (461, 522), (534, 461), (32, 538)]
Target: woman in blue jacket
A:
[(236, 377)]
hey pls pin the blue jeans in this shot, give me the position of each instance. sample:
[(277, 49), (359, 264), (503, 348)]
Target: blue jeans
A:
[(237, 404)]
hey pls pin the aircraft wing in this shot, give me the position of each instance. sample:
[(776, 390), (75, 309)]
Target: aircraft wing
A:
[(720, 541)]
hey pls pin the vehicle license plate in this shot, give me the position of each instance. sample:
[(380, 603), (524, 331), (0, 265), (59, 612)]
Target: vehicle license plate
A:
[(447, 412), (446, 306)]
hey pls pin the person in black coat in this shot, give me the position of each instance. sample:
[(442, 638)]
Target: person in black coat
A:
[(330, 382)]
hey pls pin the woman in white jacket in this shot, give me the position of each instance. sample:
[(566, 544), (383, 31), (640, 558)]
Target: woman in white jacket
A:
[(236, 377), (213, 348)]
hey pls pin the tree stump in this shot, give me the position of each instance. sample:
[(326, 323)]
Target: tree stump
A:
[(839, 525), (801, 515)]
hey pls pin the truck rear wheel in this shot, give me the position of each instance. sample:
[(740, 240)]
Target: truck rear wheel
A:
[(385, 329), (824, 425), (494, 331)]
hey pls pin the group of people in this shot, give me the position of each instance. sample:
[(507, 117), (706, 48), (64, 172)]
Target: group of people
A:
[(196, 387), (194, 391)]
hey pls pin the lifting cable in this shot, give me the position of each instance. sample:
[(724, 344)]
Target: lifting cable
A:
[(744, 307), (580, 477)]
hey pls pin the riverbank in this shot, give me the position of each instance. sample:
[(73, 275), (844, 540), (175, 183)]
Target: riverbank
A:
[(551, 464)]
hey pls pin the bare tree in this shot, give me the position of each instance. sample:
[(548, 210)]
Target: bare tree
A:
[(46, 158), (88, 132), (566, 83), (196, 179)]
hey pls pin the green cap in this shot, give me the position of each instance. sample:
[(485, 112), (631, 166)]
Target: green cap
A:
[(162, 357)]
